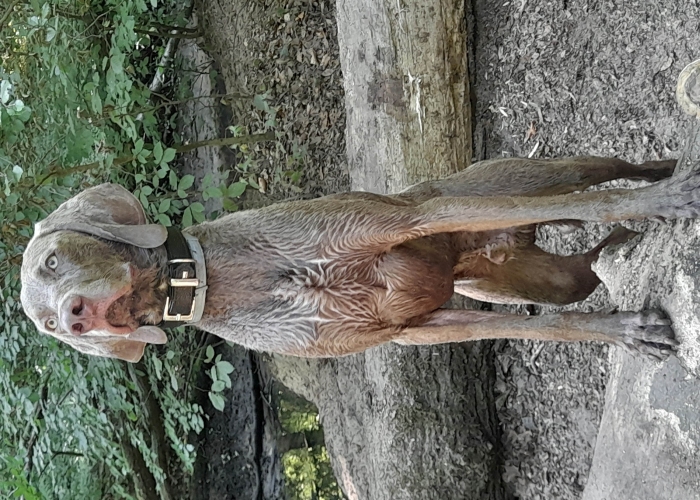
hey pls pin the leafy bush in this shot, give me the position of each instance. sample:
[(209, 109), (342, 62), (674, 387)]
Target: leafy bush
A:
[(76, 110)]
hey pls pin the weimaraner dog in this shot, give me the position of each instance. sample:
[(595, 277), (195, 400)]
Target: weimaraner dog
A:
[(343, 273)]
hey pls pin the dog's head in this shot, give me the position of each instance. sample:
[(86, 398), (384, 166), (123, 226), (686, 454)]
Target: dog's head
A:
[(82, 281)]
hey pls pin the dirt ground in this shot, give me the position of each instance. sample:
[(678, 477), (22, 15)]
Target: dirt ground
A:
[(287, 50), (567, 78), (554, 78)]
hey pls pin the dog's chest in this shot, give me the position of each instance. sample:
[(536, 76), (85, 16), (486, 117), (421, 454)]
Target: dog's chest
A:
[(278, 304)]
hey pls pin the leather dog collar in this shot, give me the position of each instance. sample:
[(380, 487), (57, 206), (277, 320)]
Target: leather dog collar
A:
[(187, 280)]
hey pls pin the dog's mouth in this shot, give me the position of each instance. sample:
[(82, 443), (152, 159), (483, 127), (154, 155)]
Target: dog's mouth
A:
[(122, 312), (141, 305)]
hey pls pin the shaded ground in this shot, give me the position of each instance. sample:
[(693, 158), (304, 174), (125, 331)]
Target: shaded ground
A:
[(288, 51), (589, 77)]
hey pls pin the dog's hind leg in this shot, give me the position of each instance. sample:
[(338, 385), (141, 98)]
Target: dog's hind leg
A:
[(533, 276), (524, 177)]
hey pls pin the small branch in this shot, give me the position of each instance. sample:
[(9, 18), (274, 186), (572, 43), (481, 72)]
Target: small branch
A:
[(69, 453), (38, 415), (8, 13), (227, 141), (57, 453), (186, 148), (180, 29), (168, 53), (172, 36)]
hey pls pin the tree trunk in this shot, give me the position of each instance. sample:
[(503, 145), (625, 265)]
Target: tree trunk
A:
[(649, 436)]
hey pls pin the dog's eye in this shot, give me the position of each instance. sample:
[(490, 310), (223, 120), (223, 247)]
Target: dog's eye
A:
[(52, 262), (51, 324)]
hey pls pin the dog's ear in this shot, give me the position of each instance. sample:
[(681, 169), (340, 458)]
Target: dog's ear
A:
[(107, 347), (108, 211), (128, 348), (132, 346), (150, 334)]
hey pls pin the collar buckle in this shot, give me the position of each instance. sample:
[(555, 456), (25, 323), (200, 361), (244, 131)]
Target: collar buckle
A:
[(184, 282), (187, 280)]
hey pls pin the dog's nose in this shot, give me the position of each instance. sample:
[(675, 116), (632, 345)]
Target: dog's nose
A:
[(76, 320)]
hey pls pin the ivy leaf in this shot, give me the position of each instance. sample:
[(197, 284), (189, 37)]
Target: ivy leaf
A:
[(169, 155), (158, 365), (157, 152), (236, 189), (186, 182), (259, 102), (212, 192), (116, 62), (187, 217), (17, 172), (217, 401), (138, 147), (224, 367), (164, 220), (218, 386), (5, 87), (50, 33), (229, 205), (209, 354), (96, 102), (173, 180)]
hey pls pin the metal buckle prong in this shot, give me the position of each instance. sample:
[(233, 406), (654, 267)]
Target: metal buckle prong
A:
[(181, 261), (184, 282)]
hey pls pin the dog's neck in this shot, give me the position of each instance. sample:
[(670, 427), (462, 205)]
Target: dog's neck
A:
[(150, 278), (149, 282)]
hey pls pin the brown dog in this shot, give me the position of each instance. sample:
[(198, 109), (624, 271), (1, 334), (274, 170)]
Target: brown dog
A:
[(347, 272)]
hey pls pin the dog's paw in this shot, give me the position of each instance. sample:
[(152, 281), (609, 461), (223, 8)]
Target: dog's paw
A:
[(648, 333), (656, 170), (677, 196)]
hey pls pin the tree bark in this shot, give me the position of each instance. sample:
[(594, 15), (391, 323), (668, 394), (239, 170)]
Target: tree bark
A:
[(154, 420), (648, 438)]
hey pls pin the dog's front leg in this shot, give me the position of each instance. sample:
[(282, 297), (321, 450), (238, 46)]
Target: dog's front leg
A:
[(647, 332)]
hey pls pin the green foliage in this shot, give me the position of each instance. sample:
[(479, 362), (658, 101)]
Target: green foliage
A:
[(308, 475), (220, 380), (297, 415), (307, 471), (75, 110)]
